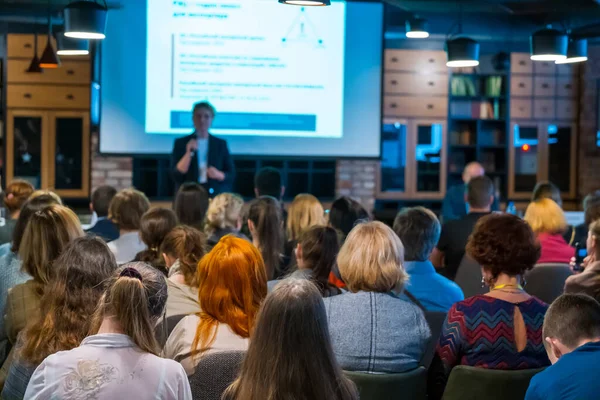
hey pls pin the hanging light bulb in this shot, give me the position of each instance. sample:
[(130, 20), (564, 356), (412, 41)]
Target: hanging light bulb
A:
[(306, 2), (49, 59), (34, 66), (71, 47), (576, 52), (462, 52), (85, 20), (548, 45), (417, 28)]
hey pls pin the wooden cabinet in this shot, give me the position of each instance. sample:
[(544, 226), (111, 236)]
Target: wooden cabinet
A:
[(415, 84), (422, 61), (49, 149), (69, 73)]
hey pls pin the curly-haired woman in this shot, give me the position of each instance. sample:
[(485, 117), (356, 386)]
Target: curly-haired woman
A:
[(501, 329)]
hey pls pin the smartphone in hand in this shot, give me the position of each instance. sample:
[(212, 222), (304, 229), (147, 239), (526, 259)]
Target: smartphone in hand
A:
[(580, 255)]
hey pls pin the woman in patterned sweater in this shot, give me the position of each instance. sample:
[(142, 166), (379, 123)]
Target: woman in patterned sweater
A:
[(503, 328)]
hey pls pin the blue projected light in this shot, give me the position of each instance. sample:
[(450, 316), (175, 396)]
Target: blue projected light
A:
[(434, 147), (518, 142)]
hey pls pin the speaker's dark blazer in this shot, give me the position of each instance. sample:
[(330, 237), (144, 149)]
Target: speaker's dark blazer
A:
[(218, 157)]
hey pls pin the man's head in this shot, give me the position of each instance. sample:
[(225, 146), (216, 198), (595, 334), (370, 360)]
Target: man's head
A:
[(591, 207), (480, 193), (267, 182), (571, 321), (419, 230), (101, 199), (203, 115), (472, 170), (546, 190)]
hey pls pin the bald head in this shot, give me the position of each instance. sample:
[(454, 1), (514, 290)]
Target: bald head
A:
[(472, 170)]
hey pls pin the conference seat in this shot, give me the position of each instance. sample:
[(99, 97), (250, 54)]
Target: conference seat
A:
[(435, 320), (165, 327), (468, 277), (407, 385), (472, 383), (214, 373), (547, 281)]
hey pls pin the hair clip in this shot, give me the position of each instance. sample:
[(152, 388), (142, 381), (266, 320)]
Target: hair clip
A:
[(131, 273)]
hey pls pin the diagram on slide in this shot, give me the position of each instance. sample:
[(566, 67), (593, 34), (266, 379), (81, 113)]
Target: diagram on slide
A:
[(303, 30)]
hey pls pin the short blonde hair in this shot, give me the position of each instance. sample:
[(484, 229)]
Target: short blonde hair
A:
[(372, 258), (127, 208), (224, 211), (545, 216), (50, 193), (305, 211)]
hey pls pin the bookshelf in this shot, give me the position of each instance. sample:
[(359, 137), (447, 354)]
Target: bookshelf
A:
[(478, 125)]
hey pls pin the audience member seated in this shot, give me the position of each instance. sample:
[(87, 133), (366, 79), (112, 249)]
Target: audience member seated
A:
[(191, 203), (450, 249), (264, 222), (104, 227), (419, 230), (290, 354), (305, 211), (548, 222), (155, 224), (548, 190), (455, 205), (15, 196), (182, 250), (224, 217), (588, 281), (372, 329), (233, 283), (316, 254), (10, 264), (126, 210), (344, 214), (120, 360), (572, 338), (268, 182), (503, 328), (66, 310), (591, 212)]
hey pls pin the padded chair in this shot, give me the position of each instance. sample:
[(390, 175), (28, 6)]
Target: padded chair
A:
[(468, 277), (435, 320), (547, 281), (165, 327), (214, 373), (471, 383), (407, 385)]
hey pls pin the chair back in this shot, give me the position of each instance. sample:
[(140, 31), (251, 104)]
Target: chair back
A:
[(547, 281), (472, 383), (215, 372), (468, 277), (163, 329), (435, 320), (406, 385)]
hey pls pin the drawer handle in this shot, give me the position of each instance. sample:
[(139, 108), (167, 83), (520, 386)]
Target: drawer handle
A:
[(521, 85), (430, 106), (70, 72), (70, 97), (568, 86), (521, 108), (522, 62), (431, 83), (394, 59), (431, 60), (545, 86), (544, 109), (393, 105), (28, 45), (394, 82), (27, 95)]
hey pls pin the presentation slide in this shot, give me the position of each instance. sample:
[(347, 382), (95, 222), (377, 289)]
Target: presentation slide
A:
[(268, 69), (285, 80)]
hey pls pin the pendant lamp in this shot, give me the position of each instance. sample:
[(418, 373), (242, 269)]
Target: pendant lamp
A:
[(306, 2), (577, 51), (548, 45), (417, 28), (34, 66), (85, 20), (49, 58), (462, 52), (67, 46)]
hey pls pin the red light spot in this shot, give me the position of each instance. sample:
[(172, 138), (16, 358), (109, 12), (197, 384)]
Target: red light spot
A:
[(525, 147)]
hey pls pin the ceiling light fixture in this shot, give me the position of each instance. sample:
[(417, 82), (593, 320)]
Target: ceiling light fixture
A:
[(577, 51), (85, 20), (548, 45), (34, 66), (417, 28), (462, 52), (308, 3), (49, 58), (71, 47)]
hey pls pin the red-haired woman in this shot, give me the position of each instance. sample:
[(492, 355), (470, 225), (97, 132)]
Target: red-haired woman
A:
[(234, 283)]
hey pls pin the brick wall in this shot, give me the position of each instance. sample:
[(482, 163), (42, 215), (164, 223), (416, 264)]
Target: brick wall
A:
[(114, 171), (589, 154), (356, 178)]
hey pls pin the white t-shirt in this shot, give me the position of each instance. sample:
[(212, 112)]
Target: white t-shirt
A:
[(202, 155)]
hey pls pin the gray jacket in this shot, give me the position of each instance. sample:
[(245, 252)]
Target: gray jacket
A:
[(376, 332)]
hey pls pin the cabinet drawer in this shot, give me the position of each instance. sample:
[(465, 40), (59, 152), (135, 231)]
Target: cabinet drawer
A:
[(567, 87), (70, 72), (415, 60), (566, 109), (544, 67), (411, 83), (521, 86), (53, 97), (409, 106), (567, 69), (520, 63), (544, 86), (520, 109), (21, 46), (544, 109)]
